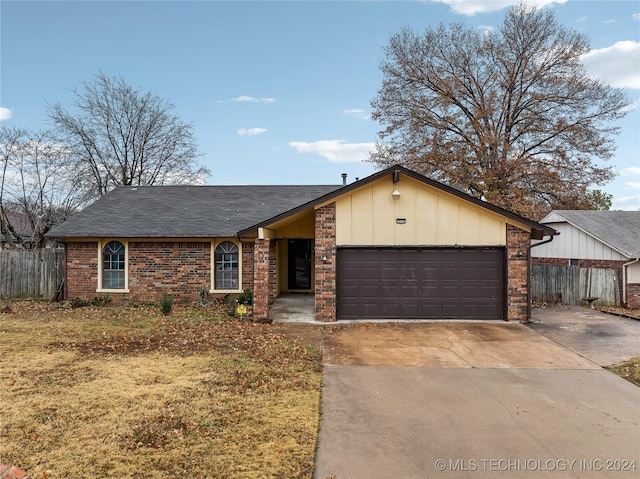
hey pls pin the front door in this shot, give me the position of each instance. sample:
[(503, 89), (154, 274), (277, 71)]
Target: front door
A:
[(299, 260)]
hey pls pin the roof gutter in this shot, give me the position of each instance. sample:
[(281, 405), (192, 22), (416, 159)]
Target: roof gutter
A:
[(555, 233), (624, 279)]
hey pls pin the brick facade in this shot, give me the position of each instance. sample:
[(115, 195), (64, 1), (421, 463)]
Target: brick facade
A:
[(82, 270), (247, 265), (325, 279), (180, 269), (264, 278), (183, 268), (633, 295), (517, 274)]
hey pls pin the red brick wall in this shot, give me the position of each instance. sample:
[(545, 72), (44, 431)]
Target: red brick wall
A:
[(633, 295), (177, 268), (247, 265), (517, 274), (180, 269), (550, 261), (264, 278), (325, 279), (82, 270)]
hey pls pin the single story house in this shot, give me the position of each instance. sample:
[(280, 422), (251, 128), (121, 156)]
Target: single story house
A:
[(597, 239), (394, 245)]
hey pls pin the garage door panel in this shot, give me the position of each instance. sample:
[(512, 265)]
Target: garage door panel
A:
[(420, 283), (390, 310), (409, 311)]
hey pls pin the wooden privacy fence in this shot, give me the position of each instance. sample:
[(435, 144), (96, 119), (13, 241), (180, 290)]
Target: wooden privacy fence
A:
[(571, 284), (31, 273)]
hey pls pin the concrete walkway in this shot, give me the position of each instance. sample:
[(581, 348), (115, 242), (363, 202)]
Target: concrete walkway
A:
[(470, 400), (293, 308)]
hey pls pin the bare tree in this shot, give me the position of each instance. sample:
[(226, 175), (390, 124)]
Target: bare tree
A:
[(122, 136), (39, 187), (511, 115)]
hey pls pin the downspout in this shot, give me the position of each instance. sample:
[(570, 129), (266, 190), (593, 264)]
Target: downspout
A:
[(624, 279), (531, 246)]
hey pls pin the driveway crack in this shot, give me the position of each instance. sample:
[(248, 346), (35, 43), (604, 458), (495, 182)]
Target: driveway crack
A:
[(452, 351)]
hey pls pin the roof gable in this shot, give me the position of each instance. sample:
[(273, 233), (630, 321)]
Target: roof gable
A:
[(397, 170), (619, 230)]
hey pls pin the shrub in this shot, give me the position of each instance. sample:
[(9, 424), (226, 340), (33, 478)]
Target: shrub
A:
[(166, 304), (79, 303), (101, 301)]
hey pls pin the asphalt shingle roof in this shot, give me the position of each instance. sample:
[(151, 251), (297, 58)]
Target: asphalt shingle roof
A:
[(185, 211), (618, 229)]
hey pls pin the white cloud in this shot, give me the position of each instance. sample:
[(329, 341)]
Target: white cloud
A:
[(471, 7), (607, 22), (251, 131), (628, 203), (631, 171), (248, 99), (633, 184), (5, 113), (357, 113), (617, 64), (486, 28), (636, 16), (336, 151)]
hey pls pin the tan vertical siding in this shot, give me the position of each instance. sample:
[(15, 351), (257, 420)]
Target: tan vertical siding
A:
[(368, 216)]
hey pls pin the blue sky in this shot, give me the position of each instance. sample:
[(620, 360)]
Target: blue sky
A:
[(277, 92)]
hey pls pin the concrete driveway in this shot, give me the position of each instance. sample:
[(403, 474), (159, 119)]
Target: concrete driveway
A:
[(470, 400), (603, 338)]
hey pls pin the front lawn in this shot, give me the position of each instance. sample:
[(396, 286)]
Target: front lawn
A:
[(114, 391)]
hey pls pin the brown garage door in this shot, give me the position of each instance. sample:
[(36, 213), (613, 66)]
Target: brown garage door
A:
[(420, 283)]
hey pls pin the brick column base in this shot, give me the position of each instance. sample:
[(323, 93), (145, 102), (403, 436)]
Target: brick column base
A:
[(517, 274), (325, 280), (261, 279)]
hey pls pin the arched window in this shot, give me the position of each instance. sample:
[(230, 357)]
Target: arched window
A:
[(113, 265), (226, 272)]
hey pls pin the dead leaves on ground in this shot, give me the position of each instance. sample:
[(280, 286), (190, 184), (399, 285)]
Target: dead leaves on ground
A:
[(183, 337), (629, 370)]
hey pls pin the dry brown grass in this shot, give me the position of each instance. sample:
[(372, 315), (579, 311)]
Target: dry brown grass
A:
[(629, 370), (126, 392)]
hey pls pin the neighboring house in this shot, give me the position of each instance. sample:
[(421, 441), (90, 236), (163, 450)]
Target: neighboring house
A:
[(22, 227), (597, 239), (394, 245)]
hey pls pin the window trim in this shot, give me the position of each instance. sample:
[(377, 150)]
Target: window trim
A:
[(101, 244), (214, 245)]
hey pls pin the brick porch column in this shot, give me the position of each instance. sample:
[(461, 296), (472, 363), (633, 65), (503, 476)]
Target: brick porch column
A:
[(325, 279), (517, 274), (261, 279)]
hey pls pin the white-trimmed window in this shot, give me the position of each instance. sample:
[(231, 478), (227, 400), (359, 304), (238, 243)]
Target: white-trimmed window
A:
[(226, 259), (113, 266)]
